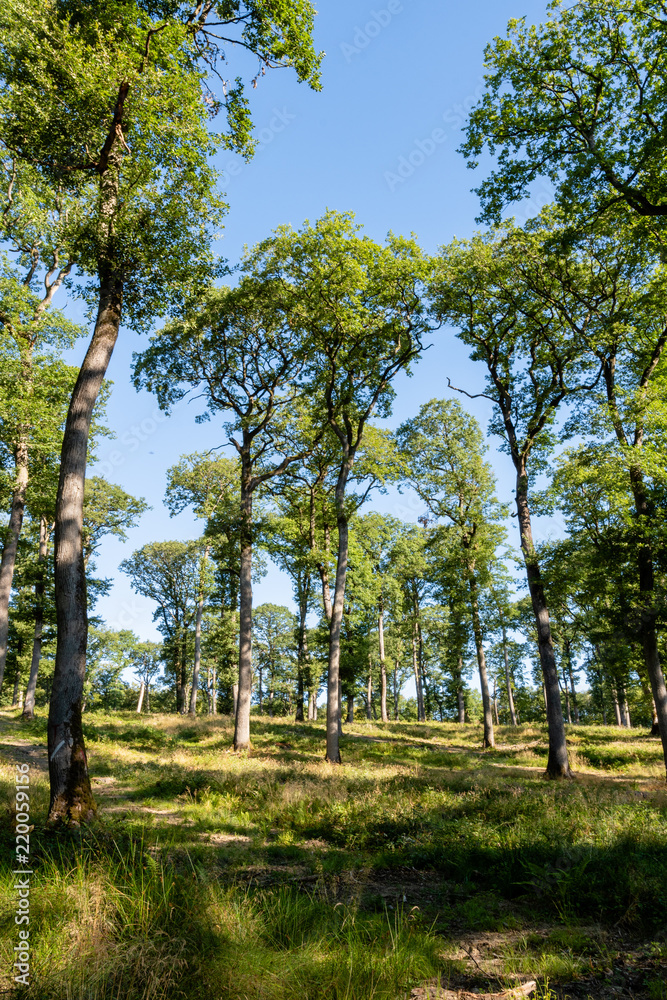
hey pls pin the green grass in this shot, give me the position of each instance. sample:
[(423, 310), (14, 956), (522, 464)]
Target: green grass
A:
[(274, 875)]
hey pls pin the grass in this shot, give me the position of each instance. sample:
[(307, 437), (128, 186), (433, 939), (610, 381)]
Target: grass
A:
[(274, 875)]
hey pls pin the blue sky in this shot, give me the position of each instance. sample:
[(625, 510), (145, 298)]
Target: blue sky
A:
[(380, 140)]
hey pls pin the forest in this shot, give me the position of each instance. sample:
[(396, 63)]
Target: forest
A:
[(454, 725)]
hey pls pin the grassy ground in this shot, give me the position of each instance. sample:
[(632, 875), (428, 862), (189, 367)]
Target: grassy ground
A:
[(273, 875)]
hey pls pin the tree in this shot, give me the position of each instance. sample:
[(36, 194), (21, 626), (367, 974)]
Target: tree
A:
[(240, 350), (358, 307), (274, 629), (579, 100), (169, 574), (113, 103), (533, 364), (443, 451), (34, 389)]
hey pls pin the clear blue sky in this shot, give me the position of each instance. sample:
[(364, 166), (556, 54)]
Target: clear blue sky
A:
[(380, 139)]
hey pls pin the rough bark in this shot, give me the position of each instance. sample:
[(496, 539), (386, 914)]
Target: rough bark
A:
[(29, 706), (71, 796), (350, 708), (558, 765), (10, 548), (242, 725), (383, 670), (489, 740)]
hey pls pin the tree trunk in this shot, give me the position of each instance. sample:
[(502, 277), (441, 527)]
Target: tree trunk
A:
[(489, 740), (71, 796), (10, 548), (575, 707), (508, 679), (566, 691), (369, 689), (421, 715), (396, 691), (29, 707), (558, 765), (242, 727), (350, 708), (312, 706), (235, 697), (214, 689), (301, 651), (495, 700), (333, 686), (200, 611), (617, 707), (383, 670), (140, 699)]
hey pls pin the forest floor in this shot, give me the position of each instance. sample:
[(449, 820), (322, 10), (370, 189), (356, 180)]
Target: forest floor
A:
[(272, 875)]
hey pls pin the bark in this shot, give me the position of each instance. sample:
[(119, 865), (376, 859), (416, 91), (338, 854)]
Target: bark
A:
[(242, 726), (489, 740), (396, 691), (558, 765), (575, 706), (10, 548), (333, 678), (369, 689), (214, 690), (312, 707), (302, 645), (235, 697), (566, 692), (508, 680), (495, 701), (140, 700), (71, 796), (350, 708), (383, 670), (197, 665), (617, 707), (29, 707), (421, 715)]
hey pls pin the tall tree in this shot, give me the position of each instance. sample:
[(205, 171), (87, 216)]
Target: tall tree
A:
[(580, 100), (443, 450), (113, 103), (360, 311), (533, 364), (240, 350)]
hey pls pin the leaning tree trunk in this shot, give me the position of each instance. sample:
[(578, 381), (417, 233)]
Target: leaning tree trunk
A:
[(489, 740), (242, 726), (10, 548), (29, 706), (383, 670), (197, 664), (558, 765), (71, 796)]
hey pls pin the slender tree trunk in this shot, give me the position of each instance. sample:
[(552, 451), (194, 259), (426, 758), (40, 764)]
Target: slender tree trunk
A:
[(10, 548), (421, 715), (140, 699), (489, 740), (508, 679), (242, 728), (333, 687), (312, 706), (301, 649), (40, 583), (396, 691), (214, 689), (383, 670), (200, 610), (369, 689), (558, 765), (235, 698), (71, 796), (495, 700), (566, 692), (575, 707), (350, 708), (617, 707)]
